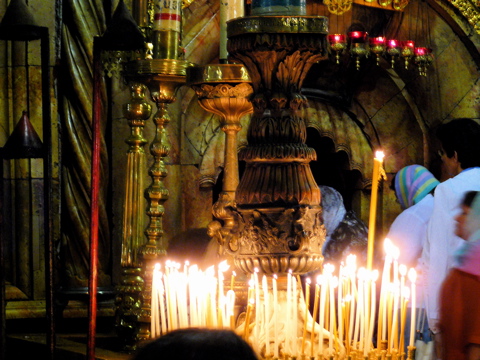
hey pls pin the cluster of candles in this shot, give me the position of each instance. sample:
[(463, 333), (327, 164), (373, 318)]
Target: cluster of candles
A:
[(359, 47), (280, 324)]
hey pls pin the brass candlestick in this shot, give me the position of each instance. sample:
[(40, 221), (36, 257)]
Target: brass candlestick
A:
[(225, 90), (162, 77)]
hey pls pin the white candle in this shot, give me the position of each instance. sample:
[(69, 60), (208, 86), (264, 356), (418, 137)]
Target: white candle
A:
[(307, 305), (256, 329), (275, 314), (294, 316), (323, 282), (373, 304), (412, 276), (339, 301), (229, 9), (396, 296), (266, 315), (288, 319)]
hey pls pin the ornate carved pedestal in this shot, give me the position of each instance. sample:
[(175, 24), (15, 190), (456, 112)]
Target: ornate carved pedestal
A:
[(278, 223), (162, 77)]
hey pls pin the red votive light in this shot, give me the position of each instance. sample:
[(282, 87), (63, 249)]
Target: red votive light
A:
[(379, 40), (357, 36), (421, 51), (409, 43), (336, 38), (392, 43)]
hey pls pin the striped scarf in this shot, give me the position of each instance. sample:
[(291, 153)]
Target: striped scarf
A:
[(412, 184)]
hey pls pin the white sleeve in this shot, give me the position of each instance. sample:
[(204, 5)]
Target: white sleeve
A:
[(441, 243), (408, 232)]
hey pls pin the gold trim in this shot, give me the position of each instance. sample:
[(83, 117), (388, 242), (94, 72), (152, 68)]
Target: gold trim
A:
[(158, 66), (277, 24), (225, 73)]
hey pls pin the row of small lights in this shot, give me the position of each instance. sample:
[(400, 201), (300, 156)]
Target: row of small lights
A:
[(379, 46)]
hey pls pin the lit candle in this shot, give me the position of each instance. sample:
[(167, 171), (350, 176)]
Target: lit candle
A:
[(232, 280), (396, 296), (288, 319), (323, 281), (377, 163), (373, 292), (154, 306), (315, 313), (250, 302), (231, 307), (412, 276), (294, 316), (257, 305), (403, 317), (266, 315), (339, 302), (275, 314), (307, 306)]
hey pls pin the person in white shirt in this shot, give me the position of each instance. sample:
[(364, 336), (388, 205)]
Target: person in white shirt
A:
[(460, 154), (413, 186)]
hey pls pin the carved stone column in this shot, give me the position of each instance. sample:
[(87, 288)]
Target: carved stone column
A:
[(279, 225)]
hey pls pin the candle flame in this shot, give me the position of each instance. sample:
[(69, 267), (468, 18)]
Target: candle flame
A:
[(374, 275), (412, 275), (406, 292), (402, 269), (329, 268), (379, 155), (320, 279), (223, 266), (308, 281)]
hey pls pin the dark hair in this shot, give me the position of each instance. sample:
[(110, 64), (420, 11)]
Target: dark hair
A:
[(468, 198), (197, 344), (462, 136)]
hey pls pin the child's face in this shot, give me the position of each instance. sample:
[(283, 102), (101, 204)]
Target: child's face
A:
[(461, 219)]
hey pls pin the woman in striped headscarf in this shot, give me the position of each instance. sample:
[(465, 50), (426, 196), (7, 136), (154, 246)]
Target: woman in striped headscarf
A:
[(414, 186)]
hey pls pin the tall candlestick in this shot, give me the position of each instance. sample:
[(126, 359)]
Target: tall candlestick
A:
[(377, 163), (412, 275)]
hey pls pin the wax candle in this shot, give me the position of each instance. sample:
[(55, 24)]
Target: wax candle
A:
[(412, 276), (403, 317), (256, 329), (229, 9), (373, 293), (339, 302), (275, 314), (315, 313), (288, 320), (294, 327), (321, 320), (232, 280), (377, 163), (396, 296), (266, 315), (231, 308), (307, 306)]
